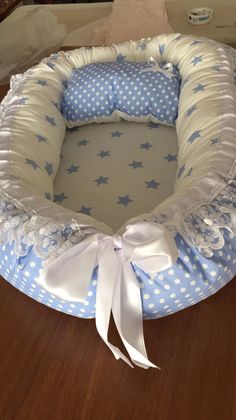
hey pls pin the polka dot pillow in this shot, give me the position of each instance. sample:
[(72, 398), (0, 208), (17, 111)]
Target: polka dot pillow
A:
[(110, 91)]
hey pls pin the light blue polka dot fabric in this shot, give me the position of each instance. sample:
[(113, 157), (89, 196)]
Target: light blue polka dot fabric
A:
[(191, 279), (137, 90)]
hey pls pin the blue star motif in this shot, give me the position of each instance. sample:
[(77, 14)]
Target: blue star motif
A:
[(190, 172), (116, 134), (199, 88), (196, 60), (171, 158), (190, 111), (32, 163), (42, 82), (195, 42), (217, 67), (152, 125), (49, 168), (145, 146), (120, 58), (135, 164), (23, 100), (72, 169), (83, 142), (50, 120), (181, 171), (85, 210), (47, 196), (194, 136), (214, 141), (40, 138), (104, 153), (178, 38), (50, 64), (55, 104), (142, 45), (152, 184), (59, 198), (73, 129), (101, 180), (125, 200), (161, 48)]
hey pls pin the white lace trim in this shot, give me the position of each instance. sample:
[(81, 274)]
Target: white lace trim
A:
[(202, 225), (26, 229)]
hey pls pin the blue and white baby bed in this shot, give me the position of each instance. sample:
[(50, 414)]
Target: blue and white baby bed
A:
[(176, 188)]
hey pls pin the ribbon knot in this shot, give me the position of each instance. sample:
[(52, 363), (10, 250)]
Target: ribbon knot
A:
[(147, 245), (167, 69)]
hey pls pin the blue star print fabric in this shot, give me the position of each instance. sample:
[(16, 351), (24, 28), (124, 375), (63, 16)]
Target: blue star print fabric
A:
[(116, 171), (136, 90)]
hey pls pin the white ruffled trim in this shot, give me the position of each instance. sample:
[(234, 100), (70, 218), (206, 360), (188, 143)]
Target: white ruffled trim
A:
[(25, 228), (200, 224)]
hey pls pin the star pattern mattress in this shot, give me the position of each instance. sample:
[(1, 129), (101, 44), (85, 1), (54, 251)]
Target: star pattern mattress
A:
[(90, 179), (128, 218)]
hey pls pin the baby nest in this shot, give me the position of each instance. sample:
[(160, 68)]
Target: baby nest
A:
[(176, 188)]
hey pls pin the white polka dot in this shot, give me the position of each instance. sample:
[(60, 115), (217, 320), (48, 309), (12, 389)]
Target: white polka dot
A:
[(157, 291), (173, 295), (192, 282), (161, 277), (177, 281), (32, 264), (90, 293), (213, 273), (146, 296), (183, 289), (72, 305), (186, 258), (171, 272), (167, 286), (161, 300), (151, 305)]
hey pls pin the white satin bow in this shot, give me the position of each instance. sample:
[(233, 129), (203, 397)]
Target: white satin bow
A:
[(148, 245), (167, 69)]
